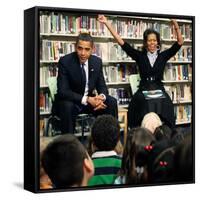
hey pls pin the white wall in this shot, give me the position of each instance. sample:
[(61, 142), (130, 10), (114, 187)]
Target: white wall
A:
[(11, 101)]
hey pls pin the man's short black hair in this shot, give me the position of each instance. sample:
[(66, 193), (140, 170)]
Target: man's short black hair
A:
[(105, 132), (85, 37), (63, 161)]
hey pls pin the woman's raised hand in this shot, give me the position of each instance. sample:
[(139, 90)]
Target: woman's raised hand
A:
[(174, 22), (178, 32), (102, 19)]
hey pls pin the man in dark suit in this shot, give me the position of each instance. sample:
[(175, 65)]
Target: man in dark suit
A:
[(81, 85)]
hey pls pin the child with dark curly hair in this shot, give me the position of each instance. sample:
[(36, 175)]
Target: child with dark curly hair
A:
[(105, 135)]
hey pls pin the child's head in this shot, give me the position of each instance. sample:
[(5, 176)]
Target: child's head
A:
[(184, 160), (105, 133), (163, 132), (161, 170), (45, 182), (151, 121), (135, 157), (67, 163)]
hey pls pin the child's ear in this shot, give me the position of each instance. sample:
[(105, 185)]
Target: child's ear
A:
[(88, 165)]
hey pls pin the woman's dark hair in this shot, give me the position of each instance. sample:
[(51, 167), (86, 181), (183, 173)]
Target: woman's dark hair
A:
[(145, 37), (135, 155)]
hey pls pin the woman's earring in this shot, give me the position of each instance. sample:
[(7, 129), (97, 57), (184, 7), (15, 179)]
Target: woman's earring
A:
[(158, 47)]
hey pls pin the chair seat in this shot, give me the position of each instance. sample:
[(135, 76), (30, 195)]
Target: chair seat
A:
[(82, 128)]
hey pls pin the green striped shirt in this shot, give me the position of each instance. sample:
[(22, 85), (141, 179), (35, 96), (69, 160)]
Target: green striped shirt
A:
[(106, 169)]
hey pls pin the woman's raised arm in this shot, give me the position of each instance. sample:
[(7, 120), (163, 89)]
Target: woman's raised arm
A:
[(178, 32), (103, 19)]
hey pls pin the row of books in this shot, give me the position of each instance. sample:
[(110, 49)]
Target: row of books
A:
[(45, 101), (108, 51), (53, 50), (49, 127), (43, 123), (70, 24), (46, 72), (119, 72), (177, 72), (122, 95), (126, 27), (134, 28), (183, 113), (184, 53), (179, 92)]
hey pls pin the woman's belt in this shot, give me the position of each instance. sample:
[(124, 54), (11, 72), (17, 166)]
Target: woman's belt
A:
[(151, 78)]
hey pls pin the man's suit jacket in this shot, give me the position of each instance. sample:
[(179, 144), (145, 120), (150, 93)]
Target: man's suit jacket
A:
[(70, 83)]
